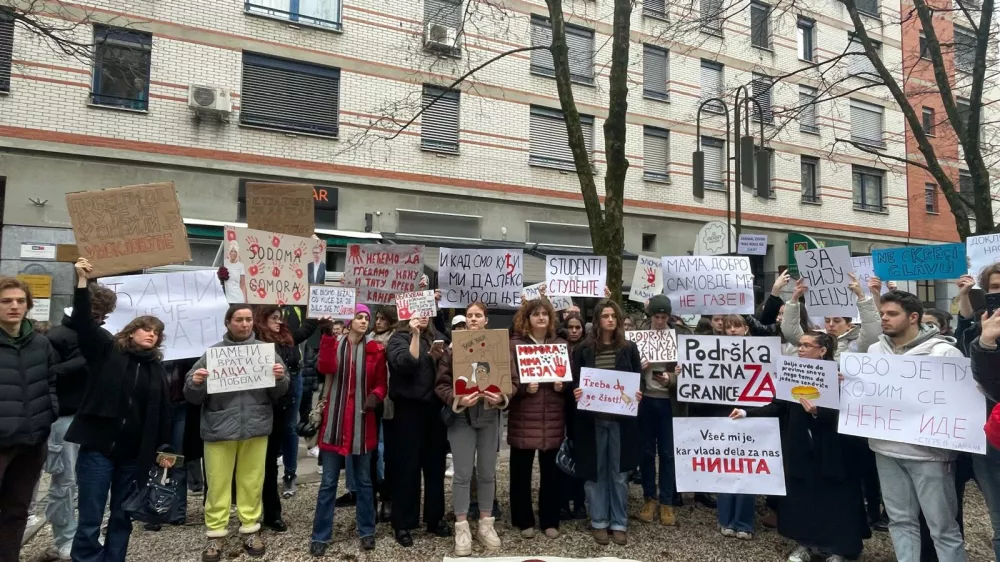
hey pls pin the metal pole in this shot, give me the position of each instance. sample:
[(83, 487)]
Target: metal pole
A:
[(736, 158)]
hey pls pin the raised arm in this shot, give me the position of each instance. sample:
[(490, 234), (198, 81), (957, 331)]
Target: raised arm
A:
[(305, 330), (94, 341)]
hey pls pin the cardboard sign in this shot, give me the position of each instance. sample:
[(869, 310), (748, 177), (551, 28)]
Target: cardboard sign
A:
[(419, 304), (864, 270), (532, 292), (982, 252), (286, 208), (826, 273), (724, 456), (380, 272), (232, 368), (655, 346), (708, 284), (727, 369), (275, 266), (191, 305), (543, 363), (812, 379), (916, 399), (40, 286), (480, 361), (576, 276), (609, 392), (67, 253), (752, 245), (129, 228), (647, 281), (493, 277), (939, 261), (335, 302)]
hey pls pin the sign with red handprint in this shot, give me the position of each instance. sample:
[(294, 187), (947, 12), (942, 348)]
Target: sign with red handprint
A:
[(381, 271), (275, 265), (543, 363), (420, 304), (481, 361), (647, 281)]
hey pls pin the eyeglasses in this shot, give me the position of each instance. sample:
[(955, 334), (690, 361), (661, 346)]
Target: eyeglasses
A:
[(807, 345)]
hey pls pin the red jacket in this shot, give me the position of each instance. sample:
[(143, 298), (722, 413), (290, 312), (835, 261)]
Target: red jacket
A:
[(375, 379)]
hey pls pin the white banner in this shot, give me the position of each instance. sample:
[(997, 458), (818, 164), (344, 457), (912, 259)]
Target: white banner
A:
[(727, 369), (864, 270), (335, 302), (982, 252), (191, 305), (609, 392), (916, 399), (752, 245), (724, 456), (655, 346), (812, 379), (825, 271), (708, 284), (532, 292), (493, 277), (576, 276), (647, 281), (240, 367)]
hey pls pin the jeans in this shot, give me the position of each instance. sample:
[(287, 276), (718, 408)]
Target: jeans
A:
[(911, 486), (656, 434), (20, 469), (608, 496), (736, 512), (61, 464), (178, 416), (327, 496), (96, 476), (290, 440), (987, 469), (381, 452)]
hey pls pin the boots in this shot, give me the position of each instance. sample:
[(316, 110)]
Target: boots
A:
[(488, 534), (648, 511), (463, 538)]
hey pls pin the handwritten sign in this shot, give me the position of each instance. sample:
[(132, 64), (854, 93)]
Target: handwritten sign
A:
[(708, 284), (286, 208), (191, 305), (982, 252), (724, 456), (335, 302), (609, 392), (481, 361), (647, 281), (939, 261), (864, 270), (39, 285), (727, 369), (655, 346), (825, 271), (532, 292), (275, 266), (916, 399), (493, 277), (576, 276), (543, 363), (752, 245), (129, 228), (232, 368), (380, 272), (419, 304), (812, 379)]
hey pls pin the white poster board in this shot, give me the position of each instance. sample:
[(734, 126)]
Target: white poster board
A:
[(276, 265), (826, 273), (647, 281), (576, 276), (752, 245), (655, 346), (335, 302), (727, 369), (532, 292), (609, 392), (41, 310), (541, 363), (232, 368), (419, 304), (812, 379), (493, 277), (708, 284), (982, 252), (864, 270), (724, 456)]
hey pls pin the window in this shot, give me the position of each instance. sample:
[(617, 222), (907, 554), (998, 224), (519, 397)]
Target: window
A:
[(761, 87), (439, 121), (648, 242), (965, 114), (715, 159), (290, 95), (121, 68), (859, 63), (6, 48), (549, 145), (866, 124), (655, 154), (558, 234), (869, 192), (711, 84), (930, 198), (965, 49), (928, 121), (966, 189), (655, 8), (869, 7), (927, 292), (924, 49), (655, 72), (760, 25), (444, 225), (580, 42), (810, 179), (807, 110), (448, 15), (323, 13), (804, 32), (711, 16)]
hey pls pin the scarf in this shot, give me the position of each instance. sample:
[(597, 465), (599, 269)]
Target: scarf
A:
[(337, 396)]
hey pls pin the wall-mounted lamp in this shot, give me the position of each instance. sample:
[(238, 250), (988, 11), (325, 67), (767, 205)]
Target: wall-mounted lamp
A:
[(38, 202)]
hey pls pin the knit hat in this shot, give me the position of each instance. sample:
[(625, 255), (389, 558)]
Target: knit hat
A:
[(362, 308), (992, 427), (660, 304)]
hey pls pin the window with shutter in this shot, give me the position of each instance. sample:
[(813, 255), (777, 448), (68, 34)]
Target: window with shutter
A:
[(869, 7), (869, 193), (655, 72), (439, 123), (866, 123), (711, 16), (810, 179), (655, 8), (928, 121), (121, 68), (858, 62), (322, 13), (445, 13), (965, 49), (761, 87), (6, 48), (290, 95), (930, 198), (655, 154), (711, 84), (760, 25), (580, 51), (807, 110), (549, 143), (804, 34), (715, 166)]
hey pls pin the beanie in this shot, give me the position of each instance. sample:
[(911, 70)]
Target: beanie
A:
[(362, 308), (659, 304)]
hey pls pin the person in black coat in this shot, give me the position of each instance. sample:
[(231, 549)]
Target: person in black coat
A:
[(985, 355), (123, 419)]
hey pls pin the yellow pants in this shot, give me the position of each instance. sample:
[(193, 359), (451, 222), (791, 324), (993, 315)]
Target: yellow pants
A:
[(248, 459)]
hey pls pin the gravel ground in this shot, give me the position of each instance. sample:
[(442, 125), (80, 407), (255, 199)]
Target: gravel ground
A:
[(696, 538)]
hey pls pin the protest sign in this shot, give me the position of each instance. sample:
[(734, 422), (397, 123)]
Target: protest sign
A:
[(532, 292), (939, 261), (982, 252), (129, 228), (41, 310), (39, 285), (655, 346), (275, 266), (418, 304), (708, 284), (916, 399), (752, 245), (864, 270), (812, 379), (67, 253), (286, 208), (548, 362), (576, 276), (382, 271), (724, 456), (609, 392), (480, 361), (191, 305), (647, 281), (232, 368), (335, 302), (826, 273), (727, 369), (492, 277)]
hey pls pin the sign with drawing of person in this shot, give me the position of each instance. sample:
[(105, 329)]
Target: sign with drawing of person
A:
[(236, 285), (481, 361)]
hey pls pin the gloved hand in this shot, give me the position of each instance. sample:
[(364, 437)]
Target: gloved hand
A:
[(371, 402)]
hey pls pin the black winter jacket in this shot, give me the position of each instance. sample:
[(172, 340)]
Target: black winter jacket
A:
[(409, 378), (71, 370), (28, 401)]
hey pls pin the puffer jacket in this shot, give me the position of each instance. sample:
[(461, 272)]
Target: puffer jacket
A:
[(28, 402), (536, 421), (857, 340), (481, 415), (234, 416)]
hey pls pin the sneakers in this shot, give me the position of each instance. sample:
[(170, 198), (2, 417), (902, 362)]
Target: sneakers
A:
[(619, 537), (368, 543), (800, 554), (314, 452), (317, 549), (488, 534), (744, 536), (552, 533), (667, 517), (278, 526), (52, 553), (463, 538), (601, 536), (648, 511), (726, 532), (528, 533), (288, 486), (212, 552), (450, 471), (253, 545)]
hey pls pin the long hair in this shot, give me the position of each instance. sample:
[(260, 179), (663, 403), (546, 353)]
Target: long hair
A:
[(522, 320), (943, 318), (123, 339), (824, 340), (264, 334), (595, 338), (389, 312), (428, 334), (735, 321), (704, 327)]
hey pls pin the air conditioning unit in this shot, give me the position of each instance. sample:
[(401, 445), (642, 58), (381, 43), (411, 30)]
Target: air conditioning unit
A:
[(439, 37), (209, 99)]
